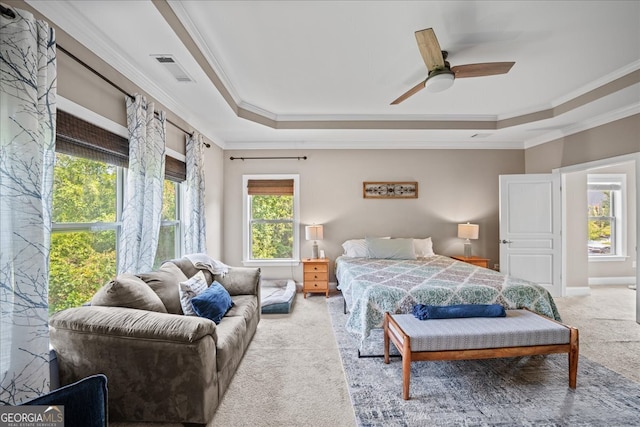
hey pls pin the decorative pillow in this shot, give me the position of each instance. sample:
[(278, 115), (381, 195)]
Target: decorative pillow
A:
[(356, 248), (127, 290), (390, 248), (423, 247), (189, 290), (213, 303), (164, 282)]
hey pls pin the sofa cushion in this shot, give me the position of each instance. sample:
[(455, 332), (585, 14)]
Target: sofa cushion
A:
[(166, 283), (230, 344), (130, 291), (213, 303), (244, 306), (189, 290), (240, 281)]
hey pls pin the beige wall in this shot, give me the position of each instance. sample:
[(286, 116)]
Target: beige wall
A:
[(454, 186), (613, 139)]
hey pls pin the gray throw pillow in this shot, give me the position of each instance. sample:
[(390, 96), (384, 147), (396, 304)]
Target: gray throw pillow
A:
[(390, 248), (165, 282), (127, 290)]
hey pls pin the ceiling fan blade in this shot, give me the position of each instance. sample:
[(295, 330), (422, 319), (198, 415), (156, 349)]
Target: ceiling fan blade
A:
[(430, 49), (417, 88), (484, 69)]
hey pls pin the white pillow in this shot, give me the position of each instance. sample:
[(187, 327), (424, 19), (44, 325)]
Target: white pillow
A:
[(190, 289), (356, 248), (423, 247)]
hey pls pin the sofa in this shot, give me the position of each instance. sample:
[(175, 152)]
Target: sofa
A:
[(162, 365)]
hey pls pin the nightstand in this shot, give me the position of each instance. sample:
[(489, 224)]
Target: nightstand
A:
[(316, 275), (480, 262)]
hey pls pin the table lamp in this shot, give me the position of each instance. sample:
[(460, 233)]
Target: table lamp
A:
[(468, 231), (314, 232)]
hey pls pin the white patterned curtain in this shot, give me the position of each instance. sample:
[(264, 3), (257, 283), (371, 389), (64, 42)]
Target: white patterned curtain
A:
[(195, 237), (27, 156), (142, 210)]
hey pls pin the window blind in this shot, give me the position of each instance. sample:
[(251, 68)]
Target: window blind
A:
[(270, 187), (77, 137)]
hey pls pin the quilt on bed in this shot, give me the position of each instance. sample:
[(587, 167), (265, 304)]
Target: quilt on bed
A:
[(373, 286)]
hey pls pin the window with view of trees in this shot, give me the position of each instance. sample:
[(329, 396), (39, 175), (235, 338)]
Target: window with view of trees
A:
[(89, 183), (271, 212), (605, 221), (86, 211)]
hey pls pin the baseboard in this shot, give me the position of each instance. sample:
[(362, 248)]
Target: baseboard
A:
[(600, 281), (577, 291)]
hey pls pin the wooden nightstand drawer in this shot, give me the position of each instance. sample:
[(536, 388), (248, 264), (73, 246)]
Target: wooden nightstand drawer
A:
[(316, 286), (316, 276), (480, 262), (321, 268)]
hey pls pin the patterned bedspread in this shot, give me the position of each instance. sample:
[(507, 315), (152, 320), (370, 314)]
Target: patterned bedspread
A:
[(373, 286)]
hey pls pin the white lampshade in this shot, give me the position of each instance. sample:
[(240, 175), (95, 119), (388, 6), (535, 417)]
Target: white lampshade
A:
[(468, 231), (313, 232), (439, 82)]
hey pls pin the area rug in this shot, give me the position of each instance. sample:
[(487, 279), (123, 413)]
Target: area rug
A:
[(522, 391)]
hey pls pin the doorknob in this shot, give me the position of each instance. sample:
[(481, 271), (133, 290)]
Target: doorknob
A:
[(504, 241)]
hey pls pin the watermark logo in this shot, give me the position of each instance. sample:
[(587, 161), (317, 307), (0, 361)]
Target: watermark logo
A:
[(32, 416)]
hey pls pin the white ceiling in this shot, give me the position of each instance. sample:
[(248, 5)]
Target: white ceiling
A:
[(321, 74)]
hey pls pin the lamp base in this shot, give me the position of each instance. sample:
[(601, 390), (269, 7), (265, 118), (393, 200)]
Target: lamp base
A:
[(314, 251), (467, 249)]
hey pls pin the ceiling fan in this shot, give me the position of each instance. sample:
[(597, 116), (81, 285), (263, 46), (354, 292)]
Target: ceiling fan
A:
[(441, 74)]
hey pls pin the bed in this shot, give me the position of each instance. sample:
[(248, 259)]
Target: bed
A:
[(373, 286)]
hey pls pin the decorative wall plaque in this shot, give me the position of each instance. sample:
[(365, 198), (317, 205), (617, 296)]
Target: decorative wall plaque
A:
[(390, 190)]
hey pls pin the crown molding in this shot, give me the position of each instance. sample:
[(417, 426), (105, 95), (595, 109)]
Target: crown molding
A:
[(603, 119)]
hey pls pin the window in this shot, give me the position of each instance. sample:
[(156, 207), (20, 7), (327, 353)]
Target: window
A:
[(85, 229), (271, 226), (89, 180), (605, 199), (169, 242)]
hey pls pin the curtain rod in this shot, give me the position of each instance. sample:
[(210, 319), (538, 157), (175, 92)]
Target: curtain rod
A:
[(88, 67), (268, 158), (7, 12)]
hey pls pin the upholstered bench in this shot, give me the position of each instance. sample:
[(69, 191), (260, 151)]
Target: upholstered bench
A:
[(520, 333)]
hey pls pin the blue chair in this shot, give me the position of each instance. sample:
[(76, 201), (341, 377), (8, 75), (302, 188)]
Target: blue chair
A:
[(85, 402)]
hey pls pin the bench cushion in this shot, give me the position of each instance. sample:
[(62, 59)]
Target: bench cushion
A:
[(519, 328)]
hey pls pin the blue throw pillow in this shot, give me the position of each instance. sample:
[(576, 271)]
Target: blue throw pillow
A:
[(213, 303)]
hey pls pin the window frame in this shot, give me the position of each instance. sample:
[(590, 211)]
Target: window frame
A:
[(617, 215), (246, 223)]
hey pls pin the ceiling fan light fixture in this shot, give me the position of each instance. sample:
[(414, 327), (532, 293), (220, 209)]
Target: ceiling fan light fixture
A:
[(439, 80)]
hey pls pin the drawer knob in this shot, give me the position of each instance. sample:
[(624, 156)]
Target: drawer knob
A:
[(315, 284)]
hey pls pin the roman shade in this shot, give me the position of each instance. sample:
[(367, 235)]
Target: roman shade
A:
[(271, 187), (77, 137)]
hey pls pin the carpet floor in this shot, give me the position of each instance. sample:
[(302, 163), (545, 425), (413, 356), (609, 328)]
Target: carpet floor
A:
[(523, 391)]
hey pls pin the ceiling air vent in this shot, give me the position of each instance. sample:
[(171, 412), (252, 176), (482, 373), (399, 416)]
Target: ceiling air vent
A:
[(171, 65)]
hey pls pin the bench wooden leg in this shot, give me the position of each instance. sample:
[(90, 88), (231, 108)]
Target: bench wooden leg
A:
[(573, 357), (406, 367), (385, 325)]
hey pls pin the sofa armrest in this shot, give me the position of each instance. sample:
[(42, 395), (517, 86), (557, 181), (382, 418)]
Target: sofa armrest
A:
[(241, 281), (132, 323), (160, 367)]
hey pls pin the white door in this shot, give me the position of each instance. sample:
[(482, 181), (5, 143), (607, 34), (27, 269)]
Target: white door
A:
[(530, 219)]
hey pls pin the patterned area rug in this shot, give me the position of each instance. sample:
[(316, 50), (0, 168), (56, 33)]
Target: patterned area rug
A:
[(523, 391)]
